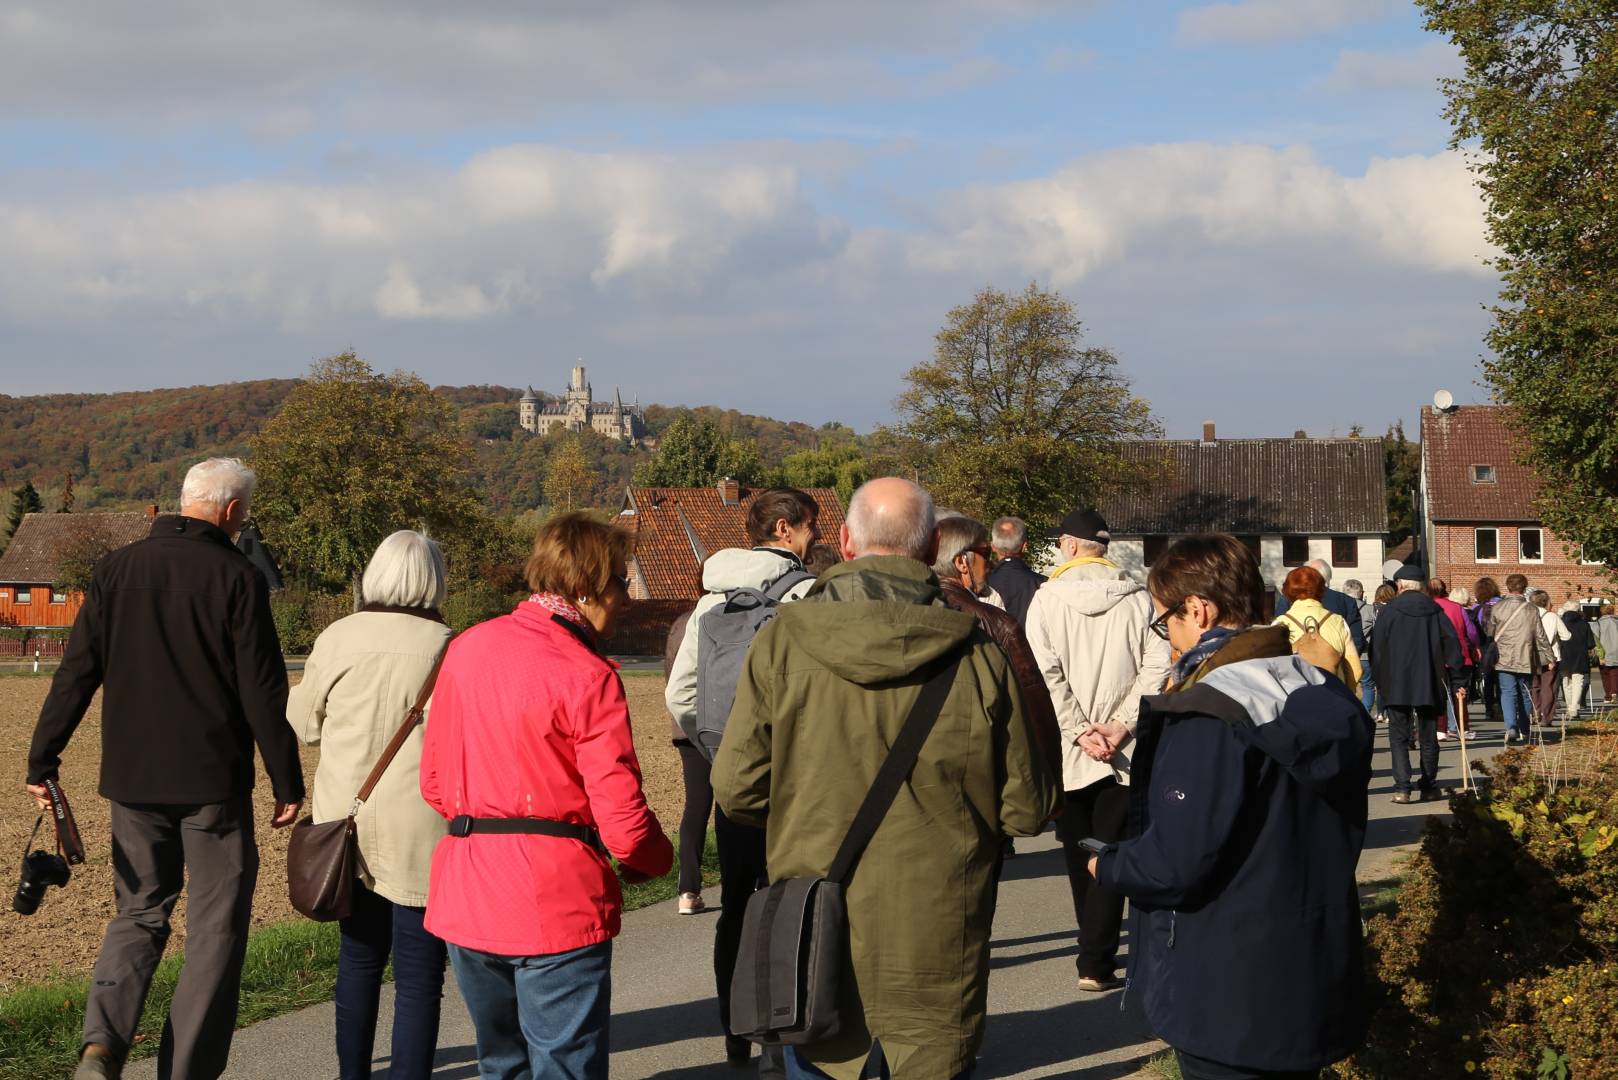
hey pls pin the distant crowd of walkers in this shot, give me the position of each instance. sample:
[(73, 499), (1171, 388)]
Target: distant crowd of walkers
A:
[(1207, 766)]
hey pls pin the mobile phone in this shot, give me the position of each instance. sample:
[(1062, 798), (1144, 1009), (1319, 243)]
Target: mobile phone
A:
[(1092, 845)]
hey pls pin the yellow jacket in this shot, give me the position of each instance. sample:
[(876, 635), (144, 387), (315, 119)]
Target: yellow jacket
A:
[(1333, 629)]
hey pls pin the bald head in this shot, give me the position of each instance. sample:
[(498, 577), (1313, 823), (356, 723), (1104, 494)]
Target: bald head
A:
[(890, 516), (1322, 567)]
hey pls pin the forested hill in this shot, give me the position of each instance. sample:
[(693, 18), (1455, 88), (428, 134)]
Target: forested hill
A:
[(125, 450)]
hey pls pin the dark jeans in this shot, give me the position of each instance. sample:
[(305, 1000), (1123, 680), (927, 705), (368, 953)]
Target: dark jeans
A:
[(156, 850), (1420, 725), (799, 1069), (538, 1017), (1099, 811), (376, 928), (1545, 695), (1195, 1068), (694, 769), (741, 874)]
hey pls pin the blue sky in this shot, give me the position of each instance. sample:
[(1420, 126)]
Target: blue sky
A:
[(767, 206)]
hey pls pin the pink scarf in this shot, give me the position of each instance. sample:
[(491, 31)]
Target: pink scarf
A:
[(557, 604)]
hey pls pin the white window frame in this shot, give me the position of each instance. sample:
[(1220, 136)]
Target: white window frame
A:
[(58, 596), (1494, 477), (1478, 532), (25, 594), (1588, 562), (1522, 558)]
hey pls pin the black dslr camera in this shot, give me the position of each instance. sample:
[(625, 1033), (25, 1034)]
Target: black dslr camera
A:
[(42, 869)]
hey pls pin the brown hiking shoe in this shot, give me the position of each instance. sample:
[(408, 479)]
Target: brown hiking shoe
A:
[(98, 1063)]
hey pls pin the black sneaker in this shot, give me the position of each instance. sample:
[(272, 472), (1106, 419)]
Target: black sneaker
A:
[(738, 1051)]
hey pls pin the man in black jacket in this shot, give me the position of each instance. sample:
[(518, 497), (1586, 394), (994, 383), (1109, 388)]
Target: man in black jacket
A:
[(1011, 577), (176, 629), (1413, 646)]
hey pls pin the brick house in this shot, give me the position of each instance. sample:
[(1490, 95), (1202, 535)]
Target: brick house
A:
[(1477, 509), (675, 531), (29, 599), (1290, 500)]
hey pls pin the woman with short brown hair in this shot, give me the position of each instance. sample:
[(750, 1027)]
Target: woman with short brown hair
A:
[(529, 754), (1304, 587)]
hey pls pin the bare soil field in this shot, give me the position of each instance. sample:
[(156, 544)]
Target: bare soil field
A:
[(62, 938)]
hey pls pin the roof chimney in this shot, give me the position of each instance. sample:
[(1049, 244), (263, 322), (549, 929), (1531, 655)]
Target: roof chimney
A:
[(151, 511), (1207, 431), (730, 492), (1300, 434)]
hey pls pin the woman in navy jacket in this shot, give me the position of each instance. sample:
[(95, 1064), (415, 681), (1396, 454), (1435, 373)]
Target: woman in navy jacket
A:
[(1248, 812)]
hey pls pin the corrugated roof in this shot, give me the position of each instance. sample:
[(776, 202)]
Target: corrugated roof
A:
[(1253, 486), (41, 539), (677, 528), (1454, 441)]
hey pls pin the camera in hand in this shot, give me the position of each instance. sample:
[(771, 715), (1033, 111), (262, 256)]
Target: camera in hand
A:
[(42, 869)]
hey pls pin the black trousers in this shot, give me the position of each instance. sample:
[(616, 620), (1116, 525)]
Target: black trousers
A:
[(1196, 1068), (1100, 812), (1406, 725), (694, 770), (741, 873)]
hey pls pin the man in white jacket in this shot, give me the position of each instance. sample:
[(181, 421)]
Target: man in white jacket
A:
[(1090, 629), (781, 526)]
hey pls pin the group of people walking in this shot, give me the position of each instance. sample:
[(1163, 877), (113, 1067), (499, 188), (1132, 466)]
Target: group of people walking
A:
[(1198, 761)]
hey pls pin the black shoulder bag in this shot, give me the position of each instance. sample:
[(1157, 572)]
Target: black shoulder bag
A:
[(795, 932)]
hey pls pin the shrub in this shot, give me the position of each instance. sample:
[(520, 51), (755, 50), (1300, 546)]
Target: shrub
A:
[(1502, 957)]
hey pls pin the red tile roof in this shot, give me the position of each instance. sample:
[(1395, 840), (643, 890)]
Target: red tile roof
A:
[(42, 539), (1454, 441), (676, 529)]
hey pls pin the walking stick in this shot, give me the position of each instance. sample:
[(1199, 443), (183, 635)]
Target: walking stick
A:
[(1466, 756)]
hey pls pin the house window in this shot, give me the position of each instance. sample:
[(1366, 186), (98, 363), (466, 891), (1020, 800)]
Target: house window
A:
[(1345, 551), (1582, 561), (58, 596), (1155, 547), (1483, 474), (1531, 545), (1251, 543), (1486, 545), (25, 595), (1294, 550)]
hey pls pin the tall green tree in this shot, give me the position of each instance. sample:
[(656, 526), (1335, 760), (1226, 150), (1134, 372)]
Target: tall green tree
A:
[(1015, 414), (1401, 469), (840, 465), (25, 500), (66, 505), (351, 457), (567, 475), (693, 453), (1537, 107)]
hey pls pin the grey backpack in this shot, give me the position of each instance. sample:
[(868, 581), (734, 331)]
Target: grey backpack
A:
[(723, 635)]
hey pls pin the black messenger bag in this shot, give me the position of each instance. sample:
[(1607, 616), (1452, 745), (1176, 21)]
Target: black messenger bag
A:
[(795, 932)]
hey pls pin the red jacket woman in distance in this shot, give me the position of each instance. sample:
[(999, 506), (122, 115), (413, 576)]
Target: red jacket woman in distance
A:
[(528, 753)]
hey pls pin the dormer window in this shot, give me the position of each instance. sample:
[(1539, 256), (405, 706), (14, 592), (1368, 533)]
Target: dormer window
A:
[(1483, 474)]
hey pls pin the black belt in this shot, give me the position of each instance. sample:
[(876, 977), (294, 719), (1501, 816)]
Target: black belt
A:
[(465, 825)]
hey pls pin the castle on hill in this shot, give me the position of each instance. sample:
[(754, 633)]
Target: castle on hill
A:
[(579, 411)]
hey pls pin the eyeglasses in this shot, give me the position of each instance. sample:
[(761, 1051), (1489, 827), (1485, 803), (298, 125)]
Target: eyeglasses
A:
[(622, 580), (1160, 625), (984, 550)]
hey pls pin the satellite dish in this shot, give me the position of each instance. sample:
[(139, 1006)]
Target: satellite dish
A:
[(1390, 568), (1444, 401)]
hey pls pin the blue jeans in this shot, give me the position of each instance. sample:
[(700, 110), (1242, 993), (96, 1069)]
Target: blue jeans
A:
[(1516, 700), (1367, 689), (376, 928), (799, 1069), (538, 1017)]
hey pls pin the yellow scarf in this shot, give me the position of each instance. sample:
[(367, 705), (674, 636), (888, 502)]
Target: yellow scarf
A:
[(1083, 560)]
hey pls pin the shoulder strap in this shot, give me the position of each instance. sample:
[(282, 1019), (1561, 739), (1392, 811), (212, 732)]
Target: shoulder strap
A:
[(412, 718), (900, 760), (1294, 622), (785, 584)]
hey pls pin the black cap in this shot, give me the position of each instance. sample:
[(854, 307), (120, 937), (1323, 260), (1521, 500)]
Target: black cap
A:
[(1086, 525), (1410, 572)]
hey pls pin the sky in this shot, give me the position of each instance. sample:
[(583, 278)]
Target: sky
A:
[(765, 205)]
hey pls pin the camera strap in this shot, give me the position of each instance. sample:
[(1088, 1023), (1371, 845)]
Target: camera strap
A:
[(68, 841)]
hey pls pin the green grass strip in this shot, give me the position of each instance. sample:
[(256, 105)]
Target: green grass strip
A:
[(289, 966)]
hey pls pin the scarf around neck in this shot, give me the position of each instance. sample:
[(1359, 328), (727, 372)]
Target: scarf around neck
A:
[(562, 607)]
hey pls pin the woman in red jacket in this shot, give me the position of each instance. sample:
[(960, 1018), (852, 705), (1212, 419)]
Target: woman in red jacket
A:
[(528, 753)]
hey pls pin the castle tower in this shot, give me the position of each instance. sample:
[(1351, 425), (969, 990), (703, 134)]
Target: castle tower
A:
[(579, 389), (528, 411)]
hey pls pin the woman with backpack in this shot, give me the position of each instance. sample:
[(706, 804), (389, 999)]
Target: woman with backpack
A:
[(1319, 636)]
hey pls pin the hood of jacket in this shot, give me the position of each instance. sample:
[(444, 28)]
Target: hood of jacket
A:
[(744, 568), (1092, 588), (876, 619), (1412, 605)]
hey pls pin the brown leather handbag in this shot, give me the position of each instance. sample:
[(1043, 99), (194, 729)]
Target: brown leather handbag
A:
[(323, 860)]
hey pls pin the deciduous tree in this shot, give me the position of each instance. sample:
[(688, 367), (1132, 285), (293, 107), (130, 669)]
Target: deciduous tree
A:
[(1537, 108), (1015, 414), (567, 475), (693, 453)]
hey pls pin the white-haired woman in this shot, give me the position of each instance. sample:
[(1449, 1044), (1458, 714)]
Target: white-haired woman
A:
[(358, 685)]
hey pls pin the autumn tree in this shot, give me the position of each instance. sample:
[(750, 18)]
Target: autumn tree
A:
[(1015, 414), (76, 560), (693, 453), (567, 475), (1537, 106), (840, 465), (351, 457)]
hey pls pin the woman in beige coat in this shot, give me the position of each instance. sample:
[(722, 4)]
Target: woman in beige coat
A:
[(359, 683)]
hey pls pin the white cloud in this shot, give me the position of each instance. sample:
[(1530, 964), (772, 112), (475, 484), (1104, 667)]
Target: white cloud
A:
[(1268, 21), (1360, 72)]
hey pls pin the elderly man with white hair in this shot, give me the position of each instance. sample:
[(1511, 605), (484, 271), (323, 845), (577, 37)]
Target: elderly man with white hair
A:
[(826, 688), (176, 631), (1341, 603), (1414, 648), (1012, 578)]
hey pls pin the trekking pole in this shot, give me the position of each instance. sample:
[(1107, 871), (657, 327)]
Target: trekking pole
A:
[(1466, 755)]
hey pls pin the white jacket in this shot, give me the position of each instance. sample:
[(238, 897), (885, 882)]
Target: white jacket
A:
[(730, 568), (1089, 631), (1556, 630)]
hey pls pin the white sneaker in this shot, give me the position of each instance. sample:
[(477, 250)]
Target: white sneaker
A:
[(692, 904), (1443, 736)]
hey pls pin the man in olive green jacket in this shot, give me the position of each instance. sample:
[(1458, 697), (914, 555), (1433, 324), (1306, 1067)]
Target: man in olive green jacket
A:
[(827, 685)]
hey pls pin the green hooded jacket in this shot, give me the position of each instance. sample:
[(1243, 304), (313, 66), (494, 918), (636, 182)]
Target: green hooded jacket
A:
[(827, 685)]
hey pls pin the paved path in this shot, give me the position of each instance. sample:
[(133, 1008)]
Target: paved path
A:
[(664, 1015)]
